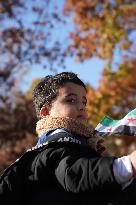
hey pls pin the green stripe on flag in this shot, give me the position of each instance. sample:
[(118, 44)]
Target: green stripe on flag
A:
[(108, 122), (133, 112)]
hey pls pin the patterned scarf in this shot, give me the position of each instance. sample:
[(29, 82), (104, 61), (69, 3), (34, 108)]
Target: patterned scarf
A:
[(72, 125)]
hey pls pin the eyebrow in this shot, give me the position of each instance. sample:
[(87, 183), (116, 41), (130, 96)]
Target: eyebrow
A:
[(73, 94), (70, 94)]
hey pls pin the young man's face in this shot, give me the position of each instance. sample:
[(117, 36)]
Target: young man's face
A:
[(71, 102)]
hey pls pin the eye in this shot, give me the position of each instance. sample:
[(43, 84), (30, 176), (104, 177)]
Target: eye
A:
[(72, 100)]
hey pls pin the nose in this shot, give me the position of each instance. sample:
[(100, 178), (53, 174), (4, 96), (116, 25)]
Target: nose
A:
[(81, 107), (82, 111)]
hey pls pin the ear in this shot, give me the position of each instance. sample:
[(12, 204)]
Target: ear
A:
[(44, 112)]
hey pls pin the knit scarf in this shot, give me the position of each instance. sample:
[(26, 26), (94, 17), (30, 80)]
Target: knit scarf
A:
[(72, 125)]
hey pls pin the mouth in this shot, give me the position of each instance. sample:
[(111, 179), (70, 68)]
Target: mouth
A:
[(81, 117)]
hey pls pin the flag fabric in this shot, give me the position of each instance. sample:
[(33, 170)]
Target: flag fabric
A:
[(125, 126)]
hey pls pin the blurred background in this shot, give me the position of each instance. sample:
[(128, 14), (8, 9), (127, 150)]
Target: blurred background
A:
[(94, 38)]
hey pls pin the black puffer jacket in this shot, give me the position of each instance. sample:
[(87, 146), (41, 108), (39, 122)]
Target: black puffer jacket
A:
[(61, 173)]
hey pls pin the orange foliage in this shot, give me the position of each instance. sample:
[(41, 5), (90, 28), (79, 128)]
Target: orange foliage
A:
[(13, 150), (115, 97), (100, 26), (17, 132)]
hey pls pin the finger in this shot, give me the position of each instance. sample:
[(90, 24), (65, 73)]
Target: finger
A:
[(100, 141)]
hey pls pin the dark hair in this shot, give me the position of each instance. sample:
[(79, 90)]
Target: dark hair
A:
[(47, 89)]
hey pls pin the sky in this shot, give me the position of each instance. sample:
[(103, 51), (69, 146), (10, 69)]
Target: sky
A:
[(89, 72)]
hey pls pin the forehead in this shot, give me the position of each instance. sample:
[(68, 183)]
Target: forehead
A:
[(70, 87)]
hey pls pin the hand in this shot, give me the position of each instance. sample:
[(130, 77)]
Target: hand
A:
[(99, 146)]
